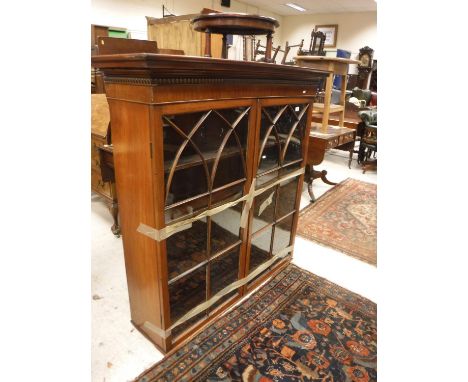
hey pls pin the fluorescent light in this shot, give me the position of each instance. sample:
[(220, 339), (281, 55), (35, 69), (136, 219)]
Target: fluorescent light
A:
[(296, 7)]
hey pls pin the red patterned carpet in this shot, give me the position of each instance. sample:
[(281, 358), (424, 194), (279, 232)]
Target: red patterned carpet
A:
[(344, 218), (297, 327)]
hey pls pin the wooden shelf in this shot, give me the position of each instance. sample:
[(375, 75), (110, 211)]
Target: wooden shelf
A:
[(195, 160), (320, 107)]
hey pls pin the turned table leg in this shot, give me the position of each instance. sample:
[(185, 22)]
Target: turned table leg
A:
[(207, 44), (269, 44), (224, 51)]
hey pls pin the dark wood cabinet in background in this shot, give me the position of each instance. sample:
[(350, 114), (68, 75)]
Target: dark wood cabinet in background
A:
[(209, 159)]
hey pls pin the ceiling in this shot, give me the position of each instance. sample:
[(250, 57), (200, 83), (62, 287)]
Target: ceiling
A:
[(314, 6)]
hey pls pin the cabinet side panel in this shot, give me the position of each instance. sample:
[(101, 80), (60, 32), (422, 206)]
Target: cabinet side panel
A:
[(131, 140)]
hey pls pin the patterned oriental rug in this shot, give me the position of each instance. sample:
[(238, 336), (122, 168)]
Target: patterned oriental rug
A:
[(344, 218), (296, 327)]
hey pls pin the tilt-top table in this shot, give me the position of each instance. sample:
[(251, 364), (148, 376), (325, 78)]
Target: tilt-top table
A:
[(235, 24)]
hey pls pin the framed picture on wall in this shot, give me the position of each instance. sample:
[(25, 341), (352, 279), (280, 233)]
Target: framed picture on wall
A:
[(331, 33)]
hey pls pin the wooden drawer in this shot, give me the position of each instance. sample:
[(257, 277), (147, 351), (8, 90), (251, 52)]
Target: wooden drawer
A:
[(95, 143), (97, 185), (349, 137), (333, 142)]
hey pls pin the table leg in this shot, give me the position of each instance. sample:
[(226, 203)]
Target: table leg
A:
[(327, 102), (344, 84), (312, 174), (224, 52), (207, 44), (351, 152), (269, 44)]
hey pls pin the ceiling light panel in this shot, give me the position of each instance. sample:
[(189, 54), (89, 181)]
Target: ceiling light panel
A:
[(296, 7)]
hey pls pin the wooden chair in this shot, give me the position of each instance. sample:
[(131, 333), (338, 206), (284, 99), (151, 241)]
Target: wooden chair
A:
[(368, 144), (317, 42), (260, 50), (287, 49)]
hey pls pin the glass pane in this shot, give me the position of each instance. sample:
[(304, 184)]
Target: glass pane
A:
[(186, 293), (282, 236), (185, 210), (225, 228), (284, 124), (260, 249), (210, 134), (290, 168), (176, 130), (224, 270), (266, 178), (269, 158), (193, 141), (263, 209), (287, 197), (186, 183), (227, 195), (186, 249), (231, 165), (187, 324), (293, 118)]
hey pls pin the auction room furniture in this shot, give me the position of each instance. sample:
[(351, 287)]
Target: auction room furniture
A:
[(317, 42), (97, 85), (322, 135), (288, 48), (260, 50), (235, 24), (209, 158), (176, 32), (100, 136), (368, 144), (102, 167), (365, 66)]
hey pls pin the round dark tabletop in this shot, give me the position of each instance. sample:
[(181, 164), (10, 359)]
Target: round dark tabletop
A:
[(234, 23)]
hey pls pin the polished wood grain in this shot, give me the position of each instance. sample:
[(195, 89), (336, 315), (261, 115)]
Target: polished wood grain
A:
[(146, 90), (112, 45)]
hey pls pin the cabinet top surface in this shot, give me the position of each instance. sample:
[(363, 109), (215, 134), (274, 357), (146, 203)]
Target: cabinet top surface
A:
[(171, 66)]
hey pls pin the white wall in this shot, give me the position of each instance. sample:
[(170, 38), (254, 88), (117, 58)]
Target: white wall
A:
[(131, 14), (355, 30)]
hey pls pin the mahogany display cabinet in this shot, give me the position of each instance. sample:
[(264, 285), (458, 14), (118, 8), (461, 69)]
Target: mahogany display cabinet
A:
[(209, 159)]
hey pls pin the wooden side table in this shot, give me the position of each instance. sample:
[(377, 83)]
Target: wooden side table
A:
[(335, 137), (323, 136), (235, 24)]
